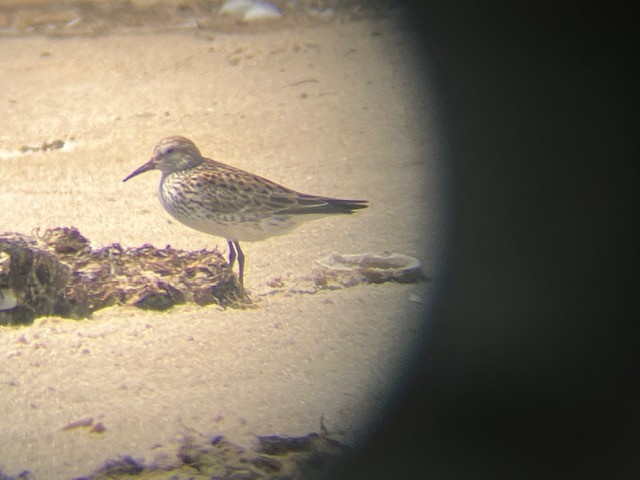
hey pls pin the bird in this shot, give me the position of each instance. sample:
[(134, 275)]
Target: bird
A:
[(225, 201)]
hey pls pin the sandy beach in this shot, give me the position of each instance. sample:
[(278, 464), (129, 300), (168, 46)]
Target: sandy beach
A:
[(340, 109)]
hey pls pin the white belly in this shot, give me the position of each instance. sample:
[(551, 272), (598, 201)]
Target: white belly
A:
[(240, 226)]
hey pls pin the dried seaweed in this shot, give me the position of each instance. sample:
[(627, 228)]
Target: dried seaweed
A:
[(59, 273), (312, 457)]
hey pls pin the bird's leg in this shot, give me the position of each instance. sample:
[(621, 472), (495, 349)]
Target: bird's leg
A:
[(232, 254), (240, 262)]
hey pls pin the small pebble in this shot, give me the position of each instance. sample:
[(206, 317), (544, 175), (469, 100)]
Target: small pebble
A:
[(326, 13), (262, 11), (235, 7), (415, 298), (98, 428), (83, 422), (54, 145)]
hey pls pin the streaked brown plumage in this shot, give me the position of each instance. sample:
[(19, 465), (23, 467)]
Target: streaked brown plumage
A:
[(225, 201)]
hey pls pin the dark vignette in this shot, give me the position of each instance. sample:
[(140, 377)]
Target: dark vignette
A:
[(529, 371)]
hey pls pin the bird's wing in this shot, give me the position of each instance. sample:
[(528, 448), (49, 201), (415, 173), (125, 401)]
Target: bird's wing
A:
[(231, 190)]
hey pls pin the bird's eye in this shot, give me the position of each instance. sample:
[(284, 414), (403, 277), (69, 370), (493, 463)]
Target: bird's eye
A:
[(170, 150)]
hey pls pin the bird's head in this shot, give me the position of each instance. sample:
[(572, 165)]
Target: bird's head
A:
[(171, 154)]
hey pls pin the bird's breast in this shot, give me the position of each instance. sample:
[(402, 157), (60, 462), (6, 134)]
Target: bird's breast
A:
[(198, 210)]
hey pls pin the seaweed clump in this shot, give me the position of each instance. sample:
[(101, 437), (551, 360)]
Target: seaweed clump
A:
[(61, 273), (312, 457)]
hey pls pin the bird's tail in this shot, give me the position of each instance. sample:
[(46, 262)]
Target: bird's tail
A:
[(311, 204), (336, 205)]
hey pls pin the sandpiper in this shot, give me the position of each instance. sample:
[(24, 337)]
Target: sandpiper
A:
[(225, 201)]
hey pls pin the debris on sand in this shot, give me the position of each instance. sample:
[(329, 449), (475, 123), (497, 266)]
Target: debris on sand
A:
[(348, 270), (312, 457), (373, 268), (60, 273)]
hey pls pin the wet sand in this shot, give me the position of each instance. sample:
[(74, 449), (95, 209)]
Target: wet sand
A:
[(342, 109)]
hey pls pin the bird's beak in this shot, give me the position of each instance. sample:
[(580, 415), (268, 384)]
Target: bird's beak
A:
[(150, 165)]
